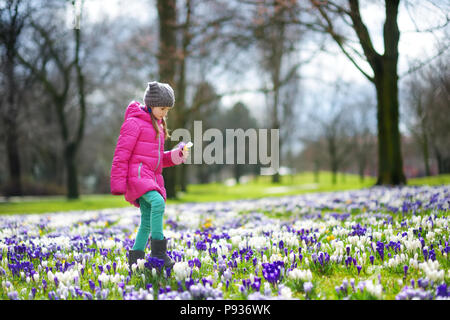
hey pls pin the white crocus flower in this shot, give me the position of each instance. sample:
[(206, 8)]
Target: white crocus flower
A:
[(286, 292), (50, 276), (140, 264)]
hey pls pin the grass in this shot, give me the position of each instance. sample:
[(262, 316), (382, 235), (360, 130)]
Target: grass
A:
[(258, 188)]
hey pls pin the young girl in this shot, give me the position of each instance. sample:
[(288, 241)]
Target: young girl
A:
[(137, 167)]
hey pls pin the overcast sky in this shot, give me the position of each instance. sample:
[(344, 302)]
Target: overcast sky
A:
[(412, 46)]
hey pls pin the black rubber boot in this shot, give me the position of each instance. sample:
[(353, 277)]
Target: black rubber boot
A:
[(134, 255), (159, 248)]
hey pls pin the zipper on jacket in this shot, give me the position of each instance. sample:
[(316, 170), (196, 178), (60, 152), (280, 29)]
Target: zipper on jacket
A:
[(159, 152), (139, 170), (159, 156)]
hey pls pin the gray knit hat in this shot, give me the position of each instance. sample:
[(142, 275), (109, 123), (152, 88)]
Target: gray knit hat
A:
[(159, 94)]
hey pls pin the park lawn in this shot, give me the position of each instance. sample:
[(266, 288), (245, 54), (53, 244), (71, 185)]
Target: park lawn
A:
[(255, 189)]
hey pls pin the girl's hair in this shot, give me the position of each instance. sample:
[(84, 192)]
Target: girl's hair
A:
[(155, 126)]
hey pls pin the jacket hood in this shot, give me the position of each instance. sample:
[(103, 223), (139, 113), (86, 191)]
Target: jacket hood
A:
[(137, 110)]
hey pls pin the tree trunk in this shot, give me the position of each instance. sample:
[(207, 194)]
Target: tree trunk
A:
[(442, 162), (167, 12), (10, 119), (72, 190), (12, 145), (361, 168), (181, 89), (275, 120), (385, 79), (14, 185), (334, 172), (70, 151), (426, 155), (390, 162)]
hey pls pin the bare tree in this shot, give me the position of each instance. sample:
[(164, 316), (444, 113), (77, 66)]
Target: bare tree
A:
[(362, 132), (384, 78), (59, 90), (13, 15), (436, 105), (417, 117), (276, 39)]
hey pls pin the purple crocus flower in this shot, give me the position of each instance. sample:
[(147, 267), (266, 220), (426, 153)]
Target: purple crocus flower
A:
[(13, 295), (432, 255), (359, 269), (371, 258), (272, 271), (423, 283), (405, 270), (44, 284), (338, 289), (442, 291), (91, 285), (425, 254), (320, 259), (153, 262), (380, 249), (200, 245)]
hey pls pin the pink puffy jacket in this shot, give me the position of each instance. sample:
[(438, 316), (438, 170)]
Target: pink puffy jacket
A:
[(140, 157)]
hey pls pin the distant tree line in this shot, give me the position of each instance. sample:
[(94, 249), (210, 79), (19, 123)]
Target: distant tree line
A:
[(64, 86)]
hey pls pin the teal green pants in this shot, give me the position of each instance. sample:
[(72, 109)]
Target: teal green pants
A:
[(152, 207)]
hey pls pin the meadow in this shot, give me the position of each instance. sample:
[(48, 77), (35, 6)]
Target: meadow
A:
[(368, 243), (259, 188)]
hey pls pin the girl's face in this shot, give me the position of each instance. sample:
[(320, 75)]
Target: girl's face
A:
[(160, 112)]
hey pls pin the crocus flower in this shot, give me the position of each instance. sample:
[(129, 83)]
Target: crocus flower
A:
[(91, 285), (442, 291), (307, 287)]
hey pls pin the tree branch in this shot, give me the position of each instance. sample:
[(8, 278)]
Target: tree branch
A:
[(340, 42), (363, 34), (425, 62)]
